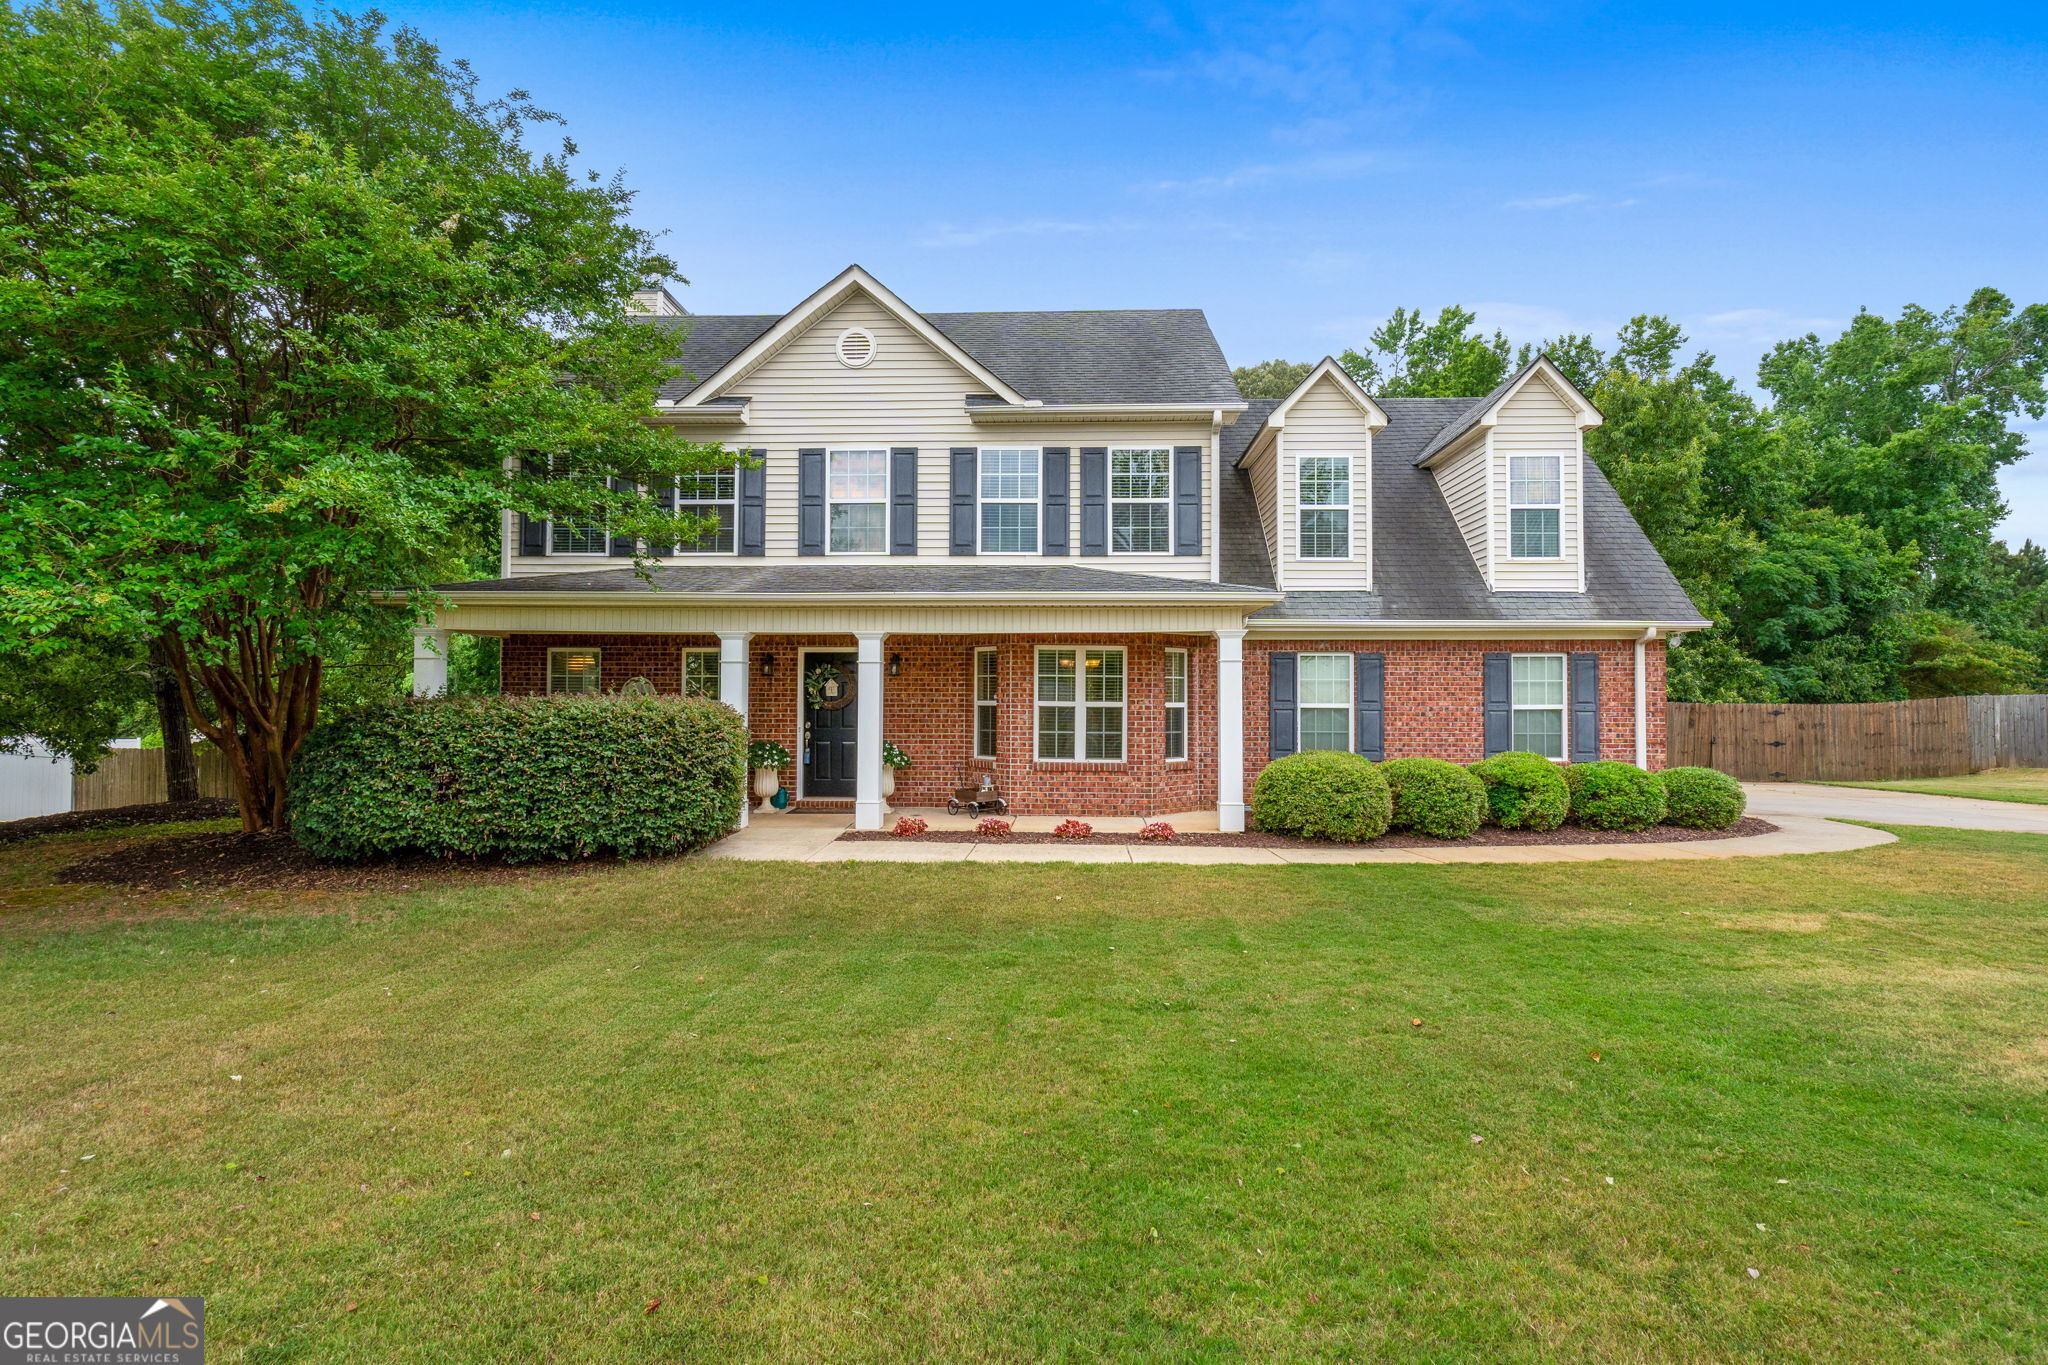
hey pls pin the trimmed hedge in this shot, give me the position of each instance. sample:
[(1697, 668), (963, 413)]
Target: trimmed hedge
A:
[(1523, 791), (1613, 795), (1323, 794), (1434, 797), (1702, 798), (520, 778)]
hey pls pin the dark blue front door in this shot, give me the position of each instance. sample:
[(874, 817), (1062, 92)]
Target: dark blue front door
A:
[(829, 721)]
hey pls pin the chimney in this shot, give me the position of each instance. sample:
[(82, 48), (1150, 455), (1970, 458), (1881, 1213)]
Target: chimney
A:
[(654, 300)]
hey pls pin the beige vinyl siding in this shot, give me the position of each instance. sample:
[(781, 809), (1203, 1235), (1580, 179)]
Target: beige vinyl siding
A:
[(1324, 422), (1266, 490), (1467, 491), (910, 394), (1537, 420)]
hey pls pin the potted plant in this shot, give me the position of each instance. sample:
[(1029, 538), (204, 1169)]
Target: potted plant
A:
[(767, 758), (892, 759)]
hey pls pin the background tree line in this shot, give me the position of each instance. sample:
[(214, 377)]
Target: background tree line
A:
[(1839, 533)]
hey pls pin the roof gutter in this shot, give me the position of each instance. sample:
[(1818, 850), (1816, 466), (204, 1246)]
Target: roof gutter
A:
[(1312, 627), (925, 597), (1222, 413)]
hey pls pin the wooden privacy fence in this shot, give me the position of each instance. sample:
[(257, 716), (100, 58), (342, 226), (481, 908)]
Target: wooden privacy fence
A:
[(130, 777), (1861, 741)]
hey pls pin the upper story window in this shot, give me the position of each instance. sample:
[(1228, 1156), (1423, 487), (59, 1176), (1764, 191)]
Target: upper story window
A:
[(713, 496), (577, 671), (1535, 506), (1537, 682), (857, 501), (1009, 500), (1325, 714), (1140, 500), (1324, 494), (700, 673)]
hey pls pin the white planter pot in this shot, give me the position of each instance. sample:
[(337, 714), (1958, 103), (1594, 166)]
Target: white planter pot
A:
[(888, 783), (767, 782)]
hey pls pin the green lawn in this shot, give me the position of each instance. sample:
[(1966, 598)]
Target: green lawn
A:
[(1041, 1112), (1993, 784)]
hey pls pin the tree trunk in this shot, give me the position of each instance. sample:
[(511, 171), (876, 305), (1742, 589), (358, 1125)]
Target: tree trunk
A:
[(181, 769), (262, 710)]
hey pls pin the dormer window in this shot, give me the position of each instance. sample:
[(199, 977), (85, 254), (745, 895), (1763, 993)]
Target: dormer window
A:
[(1535, 506), (1325, 511)]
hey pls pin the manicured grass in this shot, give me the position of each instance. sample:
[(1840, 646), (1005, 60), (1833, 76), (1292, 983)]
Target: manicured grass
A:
[(1993, 784), (1051, 1112)]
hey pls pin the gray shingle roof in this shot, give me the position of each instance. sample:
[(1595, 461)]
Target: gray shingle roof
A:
[(1462, 423), (943, 576), (1129, 355), (1243, 551), (1424, 572)]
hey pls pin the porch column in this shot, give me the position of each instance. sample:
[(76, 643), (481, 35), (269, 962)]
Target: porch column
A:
[(1230, 731), (867, 783), (732, 690), (429, 662)]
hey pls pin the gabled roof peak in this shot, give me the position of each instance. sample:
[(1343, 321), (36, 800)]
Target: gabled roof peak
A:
[(1485, 411)]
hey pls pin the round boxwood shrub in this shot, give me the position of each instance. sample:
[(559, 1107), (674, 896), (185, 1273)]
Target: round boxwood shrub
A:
[(1523, 791), (1322, 795), (1701, 798), (1435, 798), (519, 778), (1611, 795)]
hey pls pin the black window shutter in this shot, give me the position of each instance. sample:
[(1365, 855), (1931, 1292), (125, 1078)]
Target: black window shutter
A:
[(1497, 705), (1283, 717), (1094, 500), (1057, 513), (903, 500), (752, 538), (963, 534), (665, 495), (533, 531), (1187, 500), (1585, 708), (810, 502), (1369, 706), (622, 546)]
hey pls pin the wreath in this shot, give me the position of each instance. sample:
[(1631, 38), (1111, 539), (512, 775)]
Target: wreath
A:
[(822, 676)]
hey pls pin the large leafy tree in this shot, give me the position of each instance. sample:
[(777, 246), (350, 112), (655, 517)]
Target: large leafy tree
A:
[(283, 301)]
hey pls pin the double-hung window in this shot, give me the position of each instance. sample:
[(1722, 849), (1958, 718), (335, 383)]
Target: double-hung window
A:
[(713, 496), (700, 673), (1538, 692), (857, 501), (575, 671), (1140, 500), (1324, 492), (1535, 506), (1176, 739), (1081, 704), (1009, 500), (984, 703), (1325, 701)]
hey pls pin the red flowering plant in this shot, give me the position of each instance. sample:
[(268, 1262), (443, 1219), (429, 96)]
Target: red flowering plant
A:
[(1155, 830), (907, 826), (992, 828), (1073, 829)]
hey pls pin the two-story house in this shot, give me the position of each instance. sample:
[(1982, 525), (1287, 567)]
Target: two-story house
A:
[(1061, 548)]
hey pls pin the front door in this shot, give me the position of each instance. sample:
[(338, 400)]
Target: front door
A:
[(830, 745)]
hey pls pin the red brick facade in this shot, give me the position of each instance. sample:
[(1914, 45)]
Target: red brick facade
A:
[(1432, 706)]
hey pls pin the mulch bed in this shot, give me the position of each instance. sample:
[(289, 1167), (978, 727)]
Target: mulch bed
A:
[(149, 813), (1569, 834)]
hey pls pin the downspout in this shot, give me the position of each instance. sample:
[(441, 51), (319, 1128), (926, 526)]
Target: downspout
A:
[(1643, 697)]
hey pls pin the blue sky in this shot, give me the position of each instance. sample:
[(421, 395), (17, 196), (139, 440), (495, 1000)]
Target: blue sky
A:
[(1754, 170)]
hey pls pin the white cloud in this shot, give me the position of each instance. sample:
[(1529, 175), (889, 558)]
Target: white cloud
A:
[(953, 234), (1757, 326), (1550, 201), (1335, 166)]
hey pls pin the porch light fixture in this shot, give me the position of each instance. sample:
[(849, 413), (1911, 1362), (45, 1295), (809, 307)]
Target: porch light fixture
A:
[(895, 665), (767, 665)]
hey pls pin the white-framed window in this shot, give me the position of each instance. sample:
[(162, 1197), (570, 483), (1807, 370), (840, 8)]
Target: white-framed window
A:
[(1141, 500), (984, 703), (576, 671), (1325, 705), (857, 501), (1537, 692), (1176, 691), (1081, 704), (578, 537), (700, 673), (713, 495), (1009, 479), (1535, 506), (1323, 492)]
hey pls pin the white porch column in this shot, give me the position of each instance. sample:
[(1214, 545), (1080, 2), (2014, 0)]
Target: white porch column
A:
[(429, 662), (732, 690), (867, 784), (1230, 731), (1643, 697)]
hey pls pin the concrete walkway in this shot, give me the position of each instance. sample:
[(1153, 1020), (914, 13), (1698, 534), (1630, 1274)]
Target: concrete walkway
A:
[(1774, 801), (813, 839)]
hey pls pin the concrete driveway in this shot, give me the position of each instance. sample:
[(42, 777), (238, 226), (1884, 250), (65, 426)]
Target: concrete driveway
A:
[(1768, 799)]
